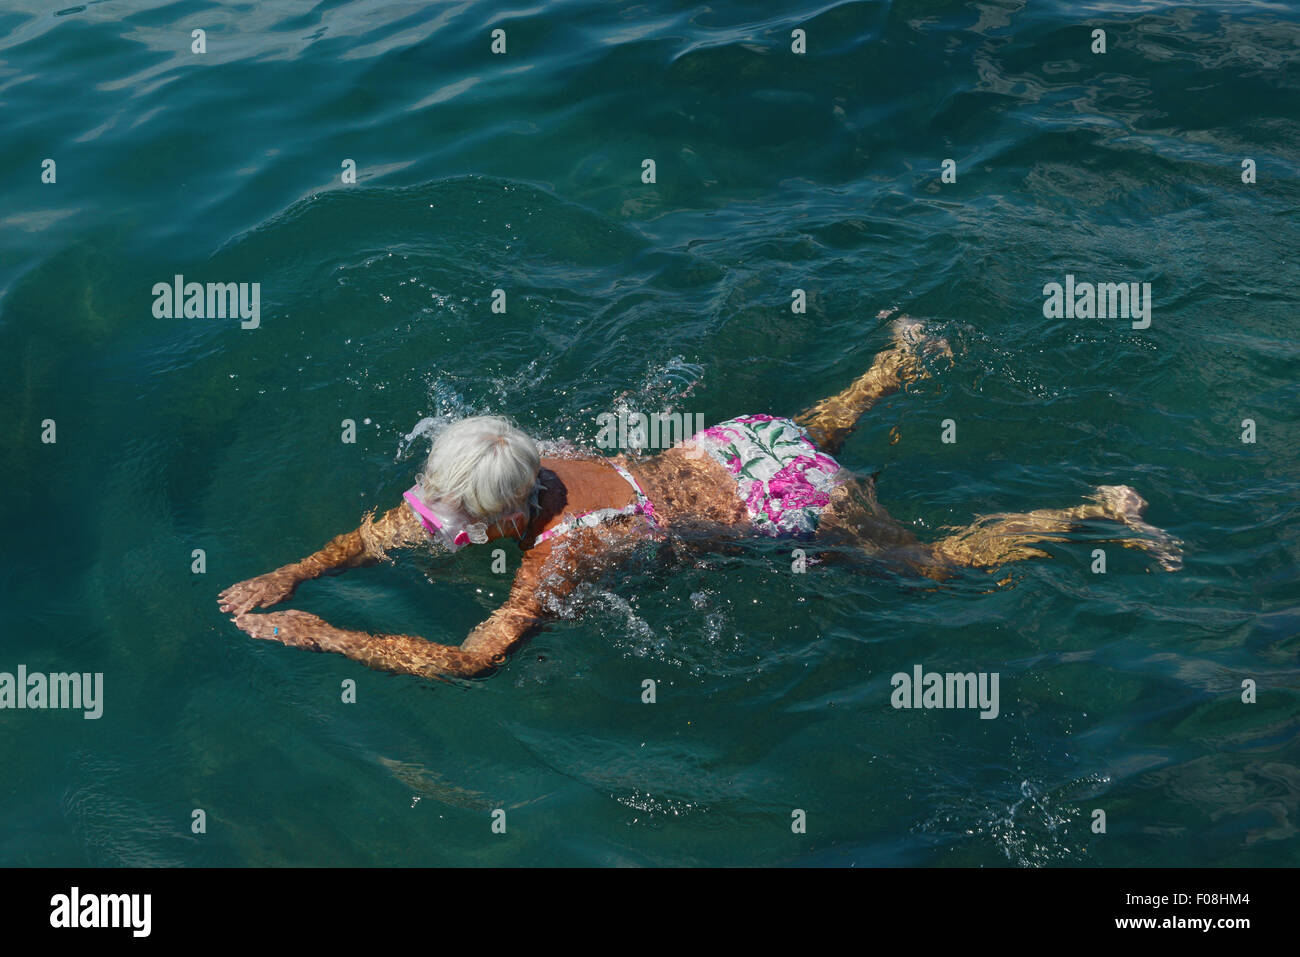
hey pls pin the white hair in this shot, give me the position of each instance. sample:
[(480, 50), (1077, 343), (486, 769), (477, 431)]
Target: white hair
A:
[(483, 467)]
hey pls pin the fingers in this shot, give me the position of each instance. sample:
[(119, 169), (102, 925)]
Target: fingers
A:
[(236, 603), (259, 626), (245, 596), (294, 628), (235, 599)]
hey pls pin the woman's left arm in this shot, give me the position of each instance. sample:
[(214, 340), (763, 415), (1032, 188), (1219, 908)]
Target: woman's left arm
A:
[(403, 654), (483, 650)]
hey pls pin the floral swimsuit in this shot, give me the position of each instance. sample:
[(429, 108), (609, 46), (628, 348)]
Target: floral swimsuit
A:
[(782, 478), (780, 475)]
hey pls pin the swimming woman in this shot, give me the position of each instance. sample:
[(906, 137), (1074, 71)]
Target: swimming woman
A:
[(576, 517)]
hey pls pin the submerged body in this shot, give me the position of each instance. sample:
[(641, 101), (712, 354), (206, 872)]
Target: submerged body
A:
[(755, 475)]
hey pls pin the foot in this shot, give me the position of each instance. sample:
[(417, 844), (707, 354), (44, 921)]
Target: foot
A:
[(913, 336), (1124, 504)]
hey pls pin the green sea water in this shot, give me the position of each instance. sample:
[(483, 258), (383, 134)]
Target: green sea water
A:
[(522, 171)]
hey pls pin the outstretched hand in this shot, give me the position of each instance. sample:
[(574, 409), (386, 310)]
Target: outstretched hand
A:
[(297, 629), (260, 592)]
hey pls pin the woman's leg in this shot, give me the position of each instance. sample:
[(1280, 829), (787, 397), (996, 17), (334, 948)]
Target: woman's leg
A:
[(996, 539), (830, 421), (858, 530), (854, 516)]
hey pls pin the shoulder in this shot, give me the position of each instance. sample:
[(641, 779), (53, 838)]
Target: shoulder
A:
[(551, 502)]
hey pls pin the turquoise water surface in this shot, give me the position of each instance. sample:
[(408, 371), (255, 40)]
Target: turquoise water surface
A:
[(774, 171)]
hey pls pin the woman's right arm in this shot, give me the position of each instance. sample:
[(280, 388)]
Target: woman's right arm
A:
[(364, 545)]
